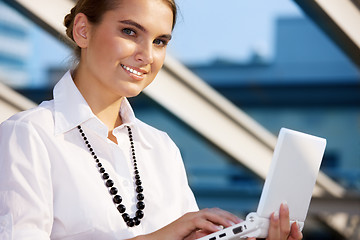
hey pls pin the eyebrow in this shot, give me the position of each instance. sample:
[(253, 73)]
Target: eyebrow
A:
[(141, 28)]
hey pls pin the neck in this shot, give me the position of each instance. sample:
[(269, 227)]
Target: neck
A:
[(109, 114), (105, 106)]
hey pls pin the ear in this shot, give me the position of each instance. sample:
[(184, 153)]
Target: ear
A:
[(81, 30)]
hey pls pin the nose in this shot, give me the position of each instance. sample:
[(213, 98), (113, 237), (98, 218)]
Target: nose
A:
[(145, 53)]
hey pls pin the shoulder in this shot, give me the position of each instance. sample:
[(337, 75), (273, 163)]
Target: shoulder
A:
[(154, 135), (38, 117)]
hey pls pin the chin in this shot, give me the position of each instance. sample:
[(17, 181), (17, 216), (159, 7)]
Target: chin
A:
[(131, 94), (131, 90)]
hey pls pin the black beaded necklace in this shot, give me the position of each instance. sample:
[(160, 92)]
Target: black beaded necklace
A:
[(117, 199)]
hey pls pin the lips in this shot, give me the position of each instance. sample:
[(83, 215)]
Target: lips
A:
[(133, 71)]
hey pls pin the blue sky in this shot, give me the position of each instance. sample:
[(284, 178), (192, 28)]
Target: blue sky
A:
[(230, 29)]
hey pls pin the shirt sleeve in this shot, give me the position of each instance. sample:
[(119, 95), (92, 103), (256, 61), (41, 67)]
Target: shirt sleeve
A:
[(25, 183)]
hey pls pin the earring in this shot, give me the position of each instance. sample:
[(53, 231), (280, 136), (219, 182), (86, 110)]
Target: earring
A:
[(83, 28)]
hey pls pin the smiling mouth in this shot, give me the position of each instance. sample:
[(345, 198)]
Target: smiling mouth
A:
[(133, 71)]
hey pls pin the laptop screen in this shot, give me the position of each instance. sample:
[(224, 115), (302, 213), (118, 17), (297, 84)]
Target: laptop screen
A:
[(292, 174)]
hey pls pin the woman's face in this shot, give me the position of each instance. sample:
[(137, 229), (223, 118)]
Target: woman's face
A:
[(126, 50)]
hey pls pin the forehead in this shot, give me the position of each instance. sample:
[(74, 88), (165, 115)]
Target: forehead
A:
[(153, 15)]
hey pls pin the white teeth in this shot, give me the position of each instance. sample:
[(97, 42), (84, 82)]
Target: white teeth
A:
[(132, 70)]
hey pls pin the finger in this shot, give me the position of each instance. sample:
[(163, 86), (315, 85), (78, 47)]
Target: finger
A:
[(274, 227), (209, 220), (284, 221), (196, 235), (220, 217), (231, 218), (194, 221), (295, 233), (208, 223), (201, 233)]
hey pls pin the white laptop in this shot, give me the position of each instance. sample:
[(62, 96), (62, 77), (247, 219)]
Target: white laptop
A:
[(291, 179)]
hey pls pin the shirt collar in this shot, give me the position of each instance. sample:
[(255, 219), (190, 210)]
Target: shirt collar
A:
[(126, 113), (71, 110), (129, 119)]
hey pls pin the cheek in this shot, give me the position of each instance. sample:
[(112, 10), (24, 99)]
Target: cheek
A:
[(159, 57), (122, 48), (116, 49)]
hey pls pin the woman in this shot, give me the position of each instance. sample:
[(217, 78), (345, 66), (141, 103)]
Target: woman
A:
[(82, 166)]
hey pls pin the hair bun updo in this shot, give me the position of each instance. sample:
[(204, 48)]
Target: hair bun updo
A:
[(69, 23)]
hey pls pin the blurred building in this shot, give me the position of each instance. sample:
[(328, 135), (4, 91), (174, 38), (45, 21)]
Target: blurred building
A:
[(14, 48), (27, 52), (310, 86)]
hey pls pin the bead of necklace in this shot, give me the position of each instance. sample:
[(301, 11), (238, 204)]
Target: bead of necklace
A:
[(117, 199)]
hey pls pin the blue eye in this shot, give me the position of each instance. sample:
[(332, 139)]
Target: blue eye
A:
[(128, 31)]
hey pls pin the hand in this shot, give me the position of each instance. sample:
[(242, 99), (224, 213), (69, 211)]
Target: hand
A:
[(195, 225), (280, 228)]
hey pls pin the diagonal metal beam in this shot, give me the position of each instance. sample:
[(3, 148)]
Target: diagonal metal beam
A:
[(339, 19), (49, 15), (221, 122), (12, 102)]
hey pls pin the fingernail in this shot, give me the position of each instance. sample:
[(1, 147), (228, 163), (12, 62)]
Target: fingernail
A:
[(285, 205), (231, 223), (298, 225), (276, 215), (220, 227)]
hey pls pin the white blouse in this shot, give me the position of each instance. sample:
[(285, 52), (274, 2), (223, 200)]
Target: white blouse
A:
[(50, 186)]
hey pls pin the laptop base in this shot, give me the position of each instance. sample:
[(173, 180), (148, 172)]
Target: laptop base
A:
[(253, 226)]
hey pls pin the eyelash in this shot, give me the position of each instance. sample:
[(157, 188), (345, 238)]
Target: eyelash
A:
[(162, 44), (130, 32), (127, 30)]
